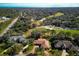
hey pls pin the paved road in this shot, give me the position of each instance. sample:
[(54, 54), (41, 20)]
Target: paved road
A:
[(43, 19), (64, 53), (10, 25), (21, 52)]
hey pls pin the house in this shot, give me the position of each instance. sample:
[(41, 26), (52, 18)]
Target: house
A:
[(19, 39), (5, 18)]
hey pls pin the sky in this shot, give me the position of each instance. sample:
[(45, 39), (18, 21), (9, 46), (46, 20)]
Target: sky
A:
[(39, 1), (39, 4)]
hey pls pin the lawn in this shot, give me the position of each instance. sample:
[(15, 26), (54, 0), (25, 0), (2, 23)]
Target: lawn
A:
[(3, 25), (48, 33)]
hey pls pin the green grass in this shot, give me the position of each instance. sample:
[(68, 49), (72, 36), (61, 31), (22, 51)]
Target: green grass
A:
[(1, 21), (55, 15), (56, 52), (28, 49), (15, 48), (48, 33), (72, 32), (2, 45), (4, 25)]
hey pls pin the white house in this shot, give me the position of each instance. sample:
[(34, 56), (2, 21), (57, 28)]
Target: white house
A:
[(5, 18)]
